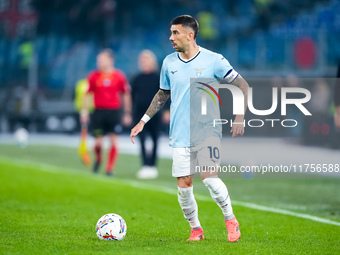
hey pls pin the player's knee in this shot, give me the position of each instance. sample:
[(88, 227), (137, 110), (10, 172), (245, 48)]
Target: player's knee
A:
[(98, 141), (184, 182), (208, 174), (113, 139)]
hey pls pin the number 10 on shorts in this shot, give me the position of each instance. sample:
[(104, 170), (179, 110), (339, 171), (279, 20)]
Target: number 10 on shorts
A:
[(214, 152)]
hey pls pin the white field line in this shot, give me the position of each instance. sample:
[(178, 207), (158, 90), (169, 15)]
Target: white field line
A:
[(238, 203), (140, 185)]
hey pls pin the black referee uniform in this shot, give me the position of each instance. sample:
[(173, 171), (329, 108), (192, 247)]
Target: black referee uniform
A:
[(144, 87)]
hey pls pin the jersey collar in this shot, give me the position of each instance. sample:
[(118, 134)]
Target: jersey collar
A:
[(187, 61)]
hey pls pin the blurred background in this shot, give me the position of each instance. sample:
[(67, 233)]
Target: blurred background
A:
[(47, 46)]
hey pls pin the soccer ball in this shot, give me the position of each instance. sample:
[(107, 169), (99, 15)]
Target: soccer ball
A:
[(111, 227), (21, 137)]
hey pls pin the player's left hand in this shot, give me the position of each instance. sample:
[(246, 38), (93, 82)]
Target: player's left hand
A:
[(127, 119), (238, 127)]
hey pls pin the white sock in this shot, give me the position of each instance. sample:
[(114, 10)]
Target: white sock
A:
[(220, 195), (189, 207)]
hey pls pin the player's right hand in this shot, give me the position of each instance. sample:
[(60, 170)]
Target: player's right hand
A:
[(136, 130)]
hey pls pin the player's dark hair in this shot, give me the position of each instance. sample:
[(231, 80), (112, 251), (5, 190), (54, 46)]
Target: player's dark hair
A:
[(186, 21), (108, 52)]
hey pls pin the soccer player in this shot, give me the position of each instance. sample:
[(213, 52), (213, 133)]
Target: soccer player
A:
[(177, 69), (107, 84)]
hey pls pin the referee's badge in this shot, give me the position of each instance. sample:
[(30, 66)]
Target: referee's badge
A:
[(199, 71), (106, 82)]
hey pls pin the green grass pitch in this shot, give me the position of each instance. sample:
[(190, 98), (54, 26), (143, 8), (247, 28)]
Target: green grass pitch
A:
[(50, 203)]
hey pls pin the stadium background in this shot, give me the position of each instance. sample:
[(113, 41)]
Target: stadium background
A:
[(47, 46)]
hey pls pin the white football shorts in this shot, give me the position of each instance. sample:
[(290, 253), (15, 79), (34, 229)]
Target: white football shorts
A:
[(189, 160)]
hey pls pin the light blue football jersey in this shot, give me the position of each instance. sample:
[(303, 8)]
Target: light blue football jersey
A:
[(181, 77)]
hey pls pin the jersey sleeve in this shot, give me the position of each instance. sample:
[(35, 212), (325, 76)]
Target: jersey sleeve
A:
[(164, 80), (224, 70), (91, 81)]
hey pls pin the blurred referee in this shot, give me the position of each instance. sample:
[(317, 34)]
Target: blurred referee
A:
[(108, 85)]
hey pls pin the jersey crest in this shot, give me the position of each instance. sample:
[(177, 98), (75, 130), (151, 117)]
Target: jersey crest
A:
[(198, 71)]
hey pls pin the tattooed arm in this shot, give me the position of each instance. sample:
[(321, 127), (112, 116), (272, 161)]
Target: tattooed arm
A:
[(238, 127), (157, 103), (243, 85)]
